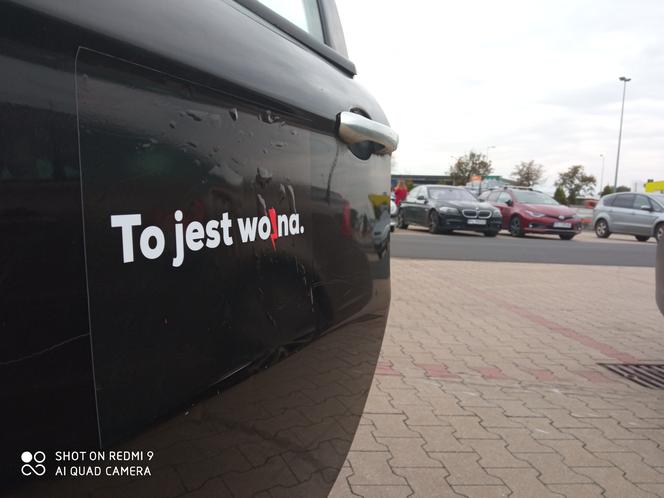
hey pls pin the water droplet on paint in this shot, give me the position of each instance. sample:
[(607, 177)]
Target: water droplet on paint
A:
[(196, 115), (263, 176), (268, 117), (261, 204), (291, 198)]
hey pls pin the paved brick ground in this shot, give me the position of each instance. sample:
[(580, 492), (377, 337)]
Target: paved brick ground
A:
[(489, 385)]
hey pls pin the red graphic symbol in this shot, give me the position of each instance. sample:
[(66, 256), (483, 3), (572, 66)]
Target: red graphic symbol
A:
[(273, 220)]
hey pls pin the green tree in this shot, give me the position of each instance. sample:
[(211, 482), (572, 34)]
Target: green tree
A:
[(559, 195), (469, 165), (576, 182), (528, 173), (608, 189)]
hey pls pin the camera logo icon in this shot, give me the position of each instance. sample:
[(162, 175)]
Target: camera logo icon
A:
[(33, 463)]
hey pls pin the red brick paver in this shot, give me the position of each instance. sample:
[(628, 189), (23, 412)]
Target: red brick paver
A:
[(489, 385)]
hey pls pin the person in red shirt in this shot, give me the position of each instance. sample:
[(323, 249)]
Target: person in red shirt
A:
[(400, 192)]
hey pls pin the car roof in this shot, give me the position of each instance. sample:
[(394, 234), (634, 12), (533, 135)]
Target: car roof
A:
[(526, 189), (443, 186)]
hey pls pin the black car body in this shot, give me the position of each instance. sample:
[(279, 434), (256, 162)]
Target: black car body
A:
[(177, 214), (444, 208)]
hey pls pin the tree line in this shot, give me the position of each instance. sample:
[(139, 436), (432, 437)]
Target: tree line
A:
[(571, 184)]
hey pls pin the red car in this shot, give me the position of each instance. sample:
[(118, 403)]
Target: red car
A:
[(528, 211)]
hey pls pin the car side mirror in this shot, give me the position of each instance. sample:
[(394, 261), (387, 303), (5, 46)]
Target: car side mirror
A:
[(509, 202), (421, 198), (645, 208)]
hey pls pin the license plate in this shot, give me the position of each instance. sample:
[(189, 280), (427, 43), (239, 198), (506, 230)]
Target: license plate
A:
[(561, 224), (476, 222)]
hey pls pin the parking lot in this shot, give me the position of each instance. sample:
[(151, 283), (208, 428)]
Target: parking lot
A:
[(585, 248), (491, 383)]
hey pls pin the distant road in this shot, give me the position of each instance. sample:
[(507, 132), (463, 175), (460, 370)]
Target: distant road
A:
[(585, 249)]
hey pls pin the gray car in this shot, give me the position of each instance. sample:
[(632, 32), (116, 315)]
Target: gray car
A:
[(641, 215)]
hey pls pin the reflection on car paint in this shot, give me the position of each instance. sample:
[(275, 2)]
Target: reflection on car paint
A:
[(227, 313)]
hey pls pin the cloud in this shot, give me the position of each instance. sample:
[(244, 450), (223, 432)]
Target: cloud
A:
[(539, 80)]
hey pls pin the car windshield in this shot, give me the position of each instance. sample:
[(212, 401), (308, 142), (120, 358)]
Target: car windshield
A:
[(451, 194), (531, 197)]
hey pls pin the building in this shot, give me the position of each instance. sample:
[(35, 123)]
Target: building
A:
[(422, 179), (488, 182), (653, 187)]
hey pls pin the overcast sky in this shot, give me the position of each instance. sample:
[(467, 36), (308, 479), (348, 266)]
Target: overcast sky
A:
[(537, 80)]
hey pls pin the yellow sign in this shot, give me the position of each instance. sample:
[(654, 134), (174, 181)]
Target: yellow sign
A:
[(654, 186)]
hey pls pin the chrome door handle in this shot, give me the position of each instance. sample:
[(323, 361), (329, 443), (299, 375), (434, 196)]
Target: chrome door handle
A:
[(353, 128)]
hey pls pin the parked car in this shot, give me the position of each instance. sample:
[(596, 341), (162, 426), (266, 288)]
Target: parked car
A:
[(526, 210), (445, 208), (640, 215), (183, 205), (659, 275)]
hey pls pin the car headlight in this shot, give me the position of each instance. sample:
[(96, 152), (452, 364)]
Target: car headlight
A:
[(448, 210), (496, 213), (535, 214)]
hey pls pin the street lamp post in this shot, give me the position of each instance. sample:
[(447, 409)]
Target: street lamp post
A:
[(622, 111), (601, 178)]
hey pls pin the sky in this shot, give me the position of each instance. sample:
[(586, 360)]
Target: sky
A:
[(534, 79)]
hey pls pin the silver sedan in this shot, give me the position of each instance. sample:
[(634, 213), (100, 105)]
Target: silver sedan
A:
[(641, 215)]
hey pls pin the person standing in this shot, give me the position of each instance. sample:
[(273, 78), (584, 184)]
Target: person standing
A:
[(400, 192)]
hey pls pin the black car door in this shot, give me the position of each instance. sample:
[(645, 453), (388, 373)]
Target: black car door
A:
[(422, 203), (408, 206), (203, 214)]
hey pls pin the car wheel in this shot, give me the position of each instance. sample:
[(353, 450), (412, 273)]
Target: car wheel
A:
[(516, 230), (566, 236), (400, 221), (641, 238), (433, 222), (602, 229), (491, 233), (659, 232)]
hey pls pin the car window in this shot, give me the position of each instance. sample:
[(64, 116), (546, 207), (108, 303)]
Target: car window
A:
[(532, 197), (504, 197), (608, 201), (450, 194), (657, 203), (624, 201), (493, 196), (412, 195), (640, 201), (303, 13)]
